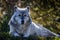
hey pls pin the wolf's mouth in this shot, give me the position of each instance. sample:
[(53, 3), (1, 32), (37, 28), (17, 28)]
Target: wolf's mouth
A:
[(22, 22)]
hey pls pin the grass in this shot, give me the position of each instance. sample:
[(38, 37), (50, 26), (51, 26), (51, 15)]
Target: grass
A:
[(6, 36)]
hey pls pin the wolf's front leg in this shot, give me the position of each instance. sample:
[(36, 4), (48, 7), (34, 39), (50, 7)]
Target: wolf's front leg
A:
[(13, 32)]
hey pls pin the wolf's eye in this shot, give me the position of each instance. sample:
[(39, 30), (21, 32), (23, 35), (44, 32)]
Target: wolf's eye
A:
[(19, 15), (24, 15)]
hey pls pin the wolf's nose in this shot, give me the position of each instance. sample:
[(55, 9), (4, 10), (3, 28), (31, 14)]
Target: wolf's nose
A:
[(22, 22)]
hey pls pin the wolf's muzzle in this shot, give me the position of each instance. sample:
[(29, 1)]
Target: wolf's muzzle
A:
[(22, 19), (22, 22)]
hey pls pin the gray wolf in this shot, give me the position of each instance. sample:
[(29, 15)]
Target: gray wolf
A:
[(21, 25)]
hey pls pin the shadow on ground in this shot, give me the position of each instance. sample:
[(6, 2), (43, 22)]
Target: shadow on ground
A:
[(6, 36)]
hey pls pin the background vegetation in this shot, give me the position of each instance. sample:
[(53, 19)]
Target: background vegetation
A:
[(45, 12)]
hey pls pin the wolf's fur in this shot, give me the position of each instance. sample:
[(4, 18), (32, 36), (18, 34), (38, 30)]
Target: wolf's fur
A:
[(29, 27)]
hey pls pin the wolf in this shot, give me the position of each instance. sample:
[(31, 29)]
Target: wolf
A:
[(21, 25)]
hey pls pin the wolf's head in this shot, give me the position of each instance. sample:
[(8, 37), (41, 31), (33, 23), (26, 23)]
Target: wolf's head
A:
[(21, 16)]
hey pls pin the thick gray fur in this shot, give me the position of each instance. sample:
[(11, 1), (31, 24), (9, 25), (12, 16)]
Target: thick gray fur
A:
[(31, 27)]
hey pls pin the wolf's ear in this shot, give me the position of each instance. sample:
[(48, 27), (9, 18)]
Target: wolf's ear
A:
[(15, 9), (28, 8)]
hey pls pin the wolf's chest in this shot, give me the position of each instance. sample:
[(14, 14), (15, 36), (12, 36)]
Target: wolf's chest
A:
[(21, 29)]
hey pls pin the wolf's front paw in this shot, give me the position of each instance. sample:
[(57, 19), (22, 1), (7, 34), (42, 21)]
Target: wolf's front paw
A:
[(14, 34)]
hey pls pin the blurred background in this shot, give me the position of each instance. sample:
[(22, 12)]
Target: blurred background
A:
[(45, 12)]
